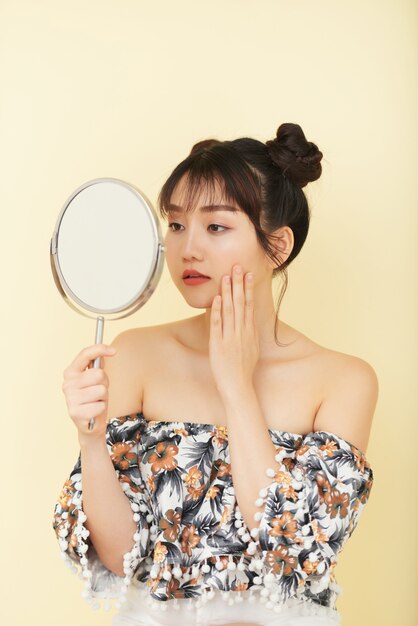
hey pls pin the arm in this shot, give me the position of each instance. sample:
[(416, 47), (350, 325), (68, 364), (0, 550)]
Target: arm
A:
[(103, 515), (306, 496), (108, 510), (109, 515), (113, 488), (347, 411)]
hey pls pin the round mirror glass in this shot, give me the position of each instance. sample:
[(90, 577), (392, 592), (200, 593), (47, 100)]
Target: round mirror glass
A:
[(106, 250)]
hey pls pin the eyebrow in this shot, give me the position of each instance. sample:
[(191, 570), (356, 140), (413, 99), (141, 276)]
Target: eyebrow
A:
[(211, 208)]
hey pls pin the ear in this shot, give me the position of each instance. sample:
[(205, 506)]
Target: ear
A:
[(282, 241)]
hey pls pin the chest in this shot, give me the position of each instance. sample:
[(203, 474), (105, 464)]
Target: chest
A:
[(179, 386)]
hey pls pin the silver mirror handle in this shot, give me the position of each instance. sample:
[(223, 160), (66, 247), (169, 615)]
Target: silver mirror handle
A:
[(96, 362)]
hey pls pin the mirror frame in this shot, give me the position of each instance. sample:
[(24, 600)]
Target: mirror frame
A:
[(153, 276)]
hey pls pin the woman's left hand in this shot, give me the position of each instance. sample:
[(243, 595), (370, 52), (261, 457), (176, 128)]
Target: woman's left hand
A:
[(233, 341)]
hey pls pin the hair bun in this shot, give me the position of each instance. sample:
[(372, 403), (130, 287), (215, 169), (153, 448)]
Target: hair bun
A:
[(299, 159)]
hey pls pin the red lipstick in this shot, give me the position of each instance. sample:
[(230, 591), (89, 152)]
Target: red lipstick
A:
[(193, 277)]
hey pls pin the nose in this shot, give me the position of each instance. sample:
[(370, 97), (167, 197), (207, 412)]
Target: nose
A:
[(191, 244)]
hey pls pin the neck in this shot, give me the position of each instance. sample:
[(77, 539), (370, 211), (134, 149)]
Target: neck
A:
[(265, 320)]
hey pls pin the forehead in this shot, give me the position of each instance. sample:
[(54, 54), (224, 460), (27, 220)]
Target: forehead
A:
[(206, 196)]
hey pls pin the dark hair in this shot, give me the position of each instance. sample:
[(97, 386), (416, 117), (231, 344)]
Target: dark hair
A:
[(264, 179)]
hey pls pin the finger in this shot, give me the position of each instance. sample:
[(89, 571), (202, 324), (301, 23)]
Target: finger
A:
[(216, 319), (238, 297), (227, 307), (249, 301), (93, 376), (92, 394), (90, 411), (84, 358)]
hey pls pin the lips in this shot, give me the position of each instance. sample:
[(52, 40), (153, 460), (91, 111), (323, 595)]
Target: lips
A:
[(193, 273)]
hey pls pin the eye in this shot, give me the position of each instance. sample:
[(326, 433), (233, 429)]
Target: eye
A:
[(214, 231), (173, 224), (218, 226)]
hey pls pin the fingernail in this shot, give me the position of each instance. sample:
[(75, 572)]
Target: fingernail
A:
[(110, 349)]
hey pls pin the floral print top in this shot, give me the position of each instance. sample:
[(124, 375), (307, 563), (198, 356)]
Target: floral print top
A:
[(191, 538)]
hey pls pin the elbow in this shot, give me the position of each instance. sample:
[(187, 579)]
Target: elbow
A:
[(114, 565), (112, 561), (118, 570)]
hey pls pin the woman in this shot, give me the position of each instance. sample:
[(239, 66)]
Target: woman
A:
[(238, 514)]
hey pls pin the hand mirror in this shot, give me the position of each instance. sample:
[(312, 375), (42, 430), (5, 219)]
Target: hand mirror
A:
[(106, 252)]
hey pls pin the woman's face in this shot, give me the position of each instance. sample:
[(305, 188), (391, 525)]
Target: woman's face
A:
[(211, 242)]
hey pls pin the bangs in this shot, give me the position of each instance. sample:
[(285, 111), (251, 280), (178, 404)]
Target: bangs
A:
[(211, 171)]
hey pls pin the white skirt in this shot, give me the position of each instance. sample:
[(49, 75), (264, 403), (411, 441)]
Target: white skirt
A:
[(138, 611)]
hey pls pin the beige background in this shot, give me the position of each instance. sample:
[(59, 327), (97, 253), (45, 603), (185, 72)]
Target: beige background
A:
[(123, 89)]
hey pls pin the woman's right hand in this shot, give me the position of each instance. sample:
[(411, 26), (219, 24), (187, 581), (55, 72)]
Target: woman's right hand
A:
[(86, 391)]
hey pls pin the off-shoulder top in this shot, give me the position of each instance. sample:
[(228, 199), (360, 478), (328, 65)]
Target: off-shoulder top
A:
[(191, 539)]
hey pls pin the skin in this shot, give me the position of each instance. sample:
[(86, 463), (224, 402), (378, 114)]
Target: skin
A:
[(193, 242)]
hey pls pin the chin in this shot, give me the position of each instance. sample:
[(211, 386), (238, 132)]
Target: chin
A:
[(198, 301), (202, 304)]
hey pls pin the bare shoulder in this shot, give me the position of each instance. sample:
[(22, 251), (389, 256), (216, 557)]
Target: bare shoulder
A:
[(350, 396), (127, 369)]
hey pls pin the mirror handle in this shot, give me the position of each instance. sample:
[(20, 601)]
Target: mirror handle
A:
[(96, 362)]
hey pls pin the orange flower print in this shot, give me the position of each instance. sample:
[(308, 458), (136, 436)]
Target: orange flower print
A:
[(286, 488), (301, 450), (226, 514), (366, 492), (319, 534), (173, 590), (212, 492), (278, 559), (310, 566), (339, 504), (123, 478), (66, 494), (324, 488), (221, 469), (284, 526), (163, 457), (189, 539), (151, 483), (290, 464), (289, 492), (181, 431), (220, 436), (282, 478), (160, 552), (359, 457), (170, 524), (121, 455), (193, 477), (224, 469), (195, 492), (329, 447)]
